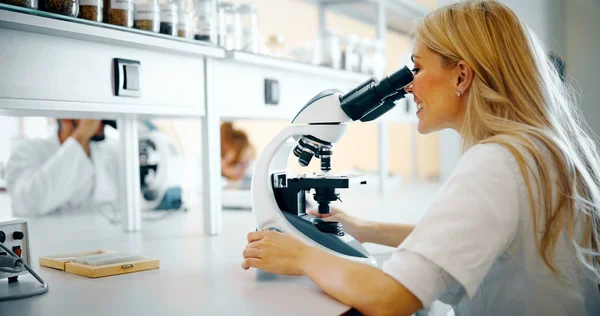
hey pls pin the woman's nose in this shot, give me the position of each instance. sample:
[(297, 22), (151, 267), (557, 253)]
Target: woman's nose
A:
[(409, 88)]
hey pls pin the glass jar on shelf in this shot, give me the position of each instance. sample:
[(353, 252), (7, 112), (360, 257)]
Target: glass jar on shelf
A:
[(204, 22), (366, 62), (63, 7), (119, 12), (350, 59), (184, 22), (91, 10), (229, 26), (32, 4), (168, 18), (327, 50), (146, 15), (249, 25), (378, 58)]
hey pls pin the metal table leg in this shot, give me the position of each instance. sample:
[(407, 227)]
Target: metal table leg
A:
[(129, 181), (211, 162)]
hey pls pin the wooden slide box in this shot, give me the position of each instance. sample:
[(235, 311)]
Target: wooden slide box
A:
[(89, 271)]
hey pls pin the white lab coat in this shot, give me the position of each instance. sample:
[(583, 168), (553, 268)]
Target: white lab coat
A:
[(44, 176), (476, 249)]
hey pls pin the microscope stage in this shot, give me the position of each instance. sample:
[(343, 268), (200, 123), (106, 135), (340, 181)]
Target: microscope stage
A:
[(329, 181)]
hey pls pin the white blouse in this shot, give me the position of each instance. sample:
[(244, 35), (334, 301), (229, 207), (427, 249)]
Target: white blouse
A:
[(475, 248)]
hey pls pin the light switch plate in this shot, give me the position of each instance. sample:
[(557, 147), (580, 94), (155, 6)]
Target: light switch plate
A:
[(271, 92), (127, 78)]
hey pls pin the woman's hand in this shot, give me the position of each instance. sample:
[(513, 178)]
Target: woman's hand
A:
[(275, 252), (352, 225)]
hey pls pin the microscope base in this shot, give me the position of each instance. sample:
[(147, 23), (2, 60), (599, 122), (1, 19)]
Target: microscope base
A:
[(344, 245)]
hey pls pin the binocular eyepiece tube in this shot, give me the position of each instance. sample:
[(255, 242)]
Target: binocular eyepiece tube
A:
[(374, 98), (367, 102)]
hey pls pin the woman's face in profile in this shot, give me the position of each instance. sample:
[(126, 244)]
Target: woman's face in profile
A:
[(434, 88)]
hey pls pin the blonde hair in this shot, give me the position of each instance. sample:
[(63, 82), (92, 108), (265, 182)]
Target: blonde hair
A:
[(517, 99)]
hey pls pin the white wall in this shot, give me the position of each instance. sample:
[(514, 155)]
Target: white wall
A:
[(570, 29), (582, 55), (545, 18)]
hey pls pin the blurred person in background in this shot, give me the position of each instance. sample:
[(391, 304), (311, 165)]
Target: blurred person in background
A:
[(237, 155), (74, 168)]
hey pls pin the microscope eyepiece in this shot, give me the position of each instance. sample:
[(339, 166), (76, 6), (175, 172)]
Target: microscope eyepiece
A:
[(400, 78), (371, 95)]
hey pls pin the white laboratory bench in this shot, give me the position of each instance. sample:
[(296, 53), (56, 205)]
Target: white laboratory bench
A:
[(198, 274)]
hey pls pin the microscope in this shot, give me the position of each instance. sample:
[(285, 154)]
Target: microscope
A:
[(279, 198)]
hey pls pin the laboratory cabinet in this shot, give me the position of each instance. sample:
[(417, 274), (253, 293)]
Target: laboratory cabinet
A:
[(53, 65), (250, 86), (253, 86), (59, 66), (46, 68)]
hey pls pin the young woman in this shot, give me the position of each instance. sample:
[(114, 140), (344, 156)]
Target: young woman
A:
[(236, 153), (515, 230)]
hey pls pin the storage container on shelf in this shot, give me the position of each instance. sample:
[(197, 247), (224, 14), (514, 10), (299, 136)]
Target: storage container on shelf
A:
[(350, 57), (378, 58), (146, 15), (366, 62), (327, 50), (184, 21), (250, 36), (119, 12), (91, 10), (204, 21), (230, 26), (63, 7), (168, 17), (32, 4)]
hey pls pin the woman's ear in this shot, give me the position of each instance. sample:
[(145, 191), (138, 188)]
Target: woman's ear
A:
[(465, 77)]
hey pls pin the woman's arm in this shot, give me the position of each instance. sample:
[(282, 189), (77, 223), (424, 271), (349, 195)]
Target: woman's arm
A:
[(389, 234), (367, 231), (361, 286)]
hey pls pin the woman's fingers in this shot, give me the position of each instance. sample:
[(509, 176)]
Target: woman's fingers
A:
[(254, 236), (253, 253), (314, 212), (254, 244), (253, 263)]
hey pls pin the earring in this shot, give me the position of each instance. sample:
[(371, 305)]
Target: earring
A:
[(458, 93)]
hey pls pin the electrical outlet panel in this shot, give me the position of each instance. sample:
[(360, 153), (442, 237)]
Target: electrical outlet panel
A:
[(14, 235)]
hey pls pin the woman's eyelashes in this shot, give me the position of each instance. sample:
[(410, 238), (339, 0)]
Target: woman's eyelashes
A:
[(415, 70)]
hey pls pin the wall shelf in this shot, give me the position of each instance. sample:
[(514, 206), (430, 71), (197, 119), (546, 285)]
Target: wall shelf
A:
[(26, 107), (45, 23), (400, 14), (297, 83), (296, 66)]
